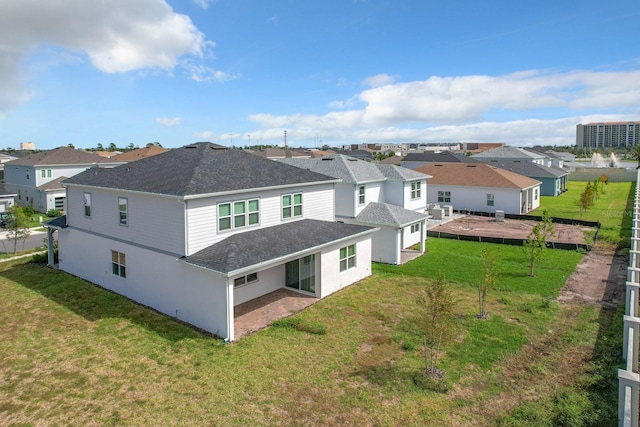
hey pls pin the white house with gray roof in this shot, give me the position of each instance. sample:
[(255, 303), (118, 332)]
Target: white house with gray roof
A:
[(389, 197), (197, 230), (512, 153)]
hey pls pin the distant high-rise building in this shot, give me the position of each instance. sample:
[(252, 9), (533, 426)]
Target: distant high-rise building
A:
[(27, 146), (608, 135)]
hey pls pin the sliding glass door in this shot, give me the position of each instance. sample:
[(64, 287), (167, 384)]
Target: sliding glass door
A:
[(301, 274)]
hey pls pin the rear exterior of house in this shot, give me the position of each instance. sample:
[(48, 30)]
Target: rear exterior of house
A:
[(222, 228)]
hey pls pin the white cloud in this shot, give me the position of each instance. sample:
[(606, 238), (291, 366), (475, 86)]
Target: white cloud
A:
[(456, 108), (116, 35), (205, 136), (379, 80), (169, 122), (204, 4), (201, 73)]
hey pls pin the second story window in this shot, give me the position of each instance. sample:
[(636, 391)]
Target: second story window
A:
[(124, 210), (291, 205), (43, 173), (87, 205), (361, 193), (238, 214), (415, 190)]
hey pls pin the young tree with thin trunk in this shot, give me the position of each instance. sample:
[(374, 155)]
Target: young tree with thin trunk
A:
[(437, 303), (488, 282), (17, 226), (536, 244)]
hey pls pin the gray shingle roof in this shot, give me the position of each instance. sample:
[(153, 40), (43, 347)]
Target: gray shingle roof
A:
[(386, 214), (59, 222), (60, 156), (440, 157), (397, 173), (346, 168), (56, 184), (201, 168), (527, 168), (250, 248), (508, 153)]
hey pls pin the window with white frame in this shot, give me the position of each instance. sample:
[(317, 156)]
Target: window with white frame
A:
[(123, 210), (43, 173), (361, 194), (238, 214), (444, 196), (118, 264), (48, 173), (245, 280), (291, 205), (347, 257), (416, 190), (535, 194), (490, 199), (415, 228), (87, 205)]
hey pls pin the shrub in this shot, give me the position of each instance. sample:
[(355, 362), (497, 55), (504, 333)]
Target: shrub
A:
[(571, 409), (29, 211), (52, 213)]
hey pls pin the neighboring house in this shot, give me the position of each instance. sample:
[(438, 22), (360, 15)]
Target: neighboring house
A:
[(389, 197), (511, 153), (366, 155), (7, 198), (280, 153), (554, 180), (391, 160), (555, 159), (481, 187), (414, 160), (36, 178), (140, 153), (197, 230)]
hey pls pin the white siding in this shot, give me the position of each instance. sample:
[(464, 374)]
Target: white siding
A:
[(386, 245), (317, 203), (475, 198), (408, 238), (394, 192), (191, 294), (332, 279), (345, 201), (269, 280), (419, 204), (153, 221), (373, 193)]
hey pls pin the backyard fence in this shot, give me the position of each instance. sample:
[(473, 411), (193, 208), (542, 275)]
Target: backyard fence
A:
[(629, 378)]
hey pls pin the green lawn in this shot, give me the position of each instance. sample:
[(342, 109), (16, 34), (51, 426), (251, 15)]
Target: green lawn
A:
[(614, 209), (74, 354)]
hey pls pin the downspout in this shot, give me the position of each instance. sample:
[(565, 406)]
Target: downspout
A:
[(230, 311), (50, 252)]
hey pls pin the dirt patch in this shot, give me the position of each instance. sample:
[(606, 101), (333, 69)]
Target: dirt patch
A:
[(471, 225), (600, 278)]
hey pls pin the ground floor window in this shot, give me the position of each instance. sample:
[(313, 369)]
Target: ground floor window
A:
[(118, 264), (347, 257), (490, 199), (444, 196), (245, 280), (301, 274), (415, 228)]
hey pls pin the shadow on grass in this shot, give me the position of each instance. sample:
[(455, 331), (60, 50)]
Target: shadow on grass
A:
[(95, 303)]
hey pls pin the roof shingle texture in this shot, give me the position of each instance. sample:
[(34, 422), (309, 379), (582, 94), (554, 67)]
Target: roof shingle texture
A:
[(265, 244), (527, 168), (201, 168), (140, 153), (440, 157), (398, 173), (509, 153), (386, 214), (475, 175), (59, 156), (346, 168)]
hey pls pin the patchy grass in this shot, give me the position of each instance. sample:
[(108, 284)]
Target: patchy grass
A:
[(614, 209), (73, 353)]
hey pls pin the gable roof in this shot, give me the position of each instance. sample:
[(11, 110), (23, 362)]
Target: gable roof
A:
[(440, 157), (243, 250), (509, 153), (198, 169), (59, 156), (56, 184), (526, 168), (398, 173), (475, 175), (387, 214), (140, 153), (346, 168)]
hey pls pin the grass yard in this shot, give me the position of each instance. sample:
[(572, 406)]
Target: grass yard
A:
[(614, 209), (74, 354)]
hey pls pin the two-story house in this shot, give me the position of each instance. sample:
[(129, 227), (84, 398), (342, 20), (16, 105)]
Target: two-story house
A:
[(389, 197), (36, 178), (197, 230)]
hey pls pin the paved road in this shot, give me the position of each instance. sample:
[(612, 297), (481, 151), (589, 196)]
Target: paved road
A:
[(36, 239)]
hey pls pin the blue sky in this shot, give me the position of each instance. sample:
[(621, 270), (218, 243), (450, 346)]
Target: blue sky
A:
[(332, 72)]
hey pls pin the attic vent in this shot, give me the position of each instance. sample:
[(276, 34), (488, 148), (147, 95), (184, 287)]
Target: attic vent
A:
[(516, 161), (190, 146), (353, 160), (438, 166), (471, 166), (326, 158)]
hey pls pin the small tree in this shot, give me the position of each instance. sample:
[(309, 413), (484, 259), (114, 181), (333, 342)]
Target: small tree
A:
[(635, 154), (536, 243), (437, 303), (17, 226), (488, 282), (586, 199)]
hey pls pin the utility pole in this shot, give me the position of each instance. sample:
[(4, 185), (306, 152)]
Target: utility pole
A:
[(285, 139)]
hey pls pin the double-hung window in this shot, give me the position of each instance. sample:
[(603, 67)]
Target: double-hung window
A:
[(87, 205), (444, 197), (361, 195), (291, 205), (347, 257), (123, 210), (415, 190), (118, 264), (43, 173), (490, 199), (238, 214)]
